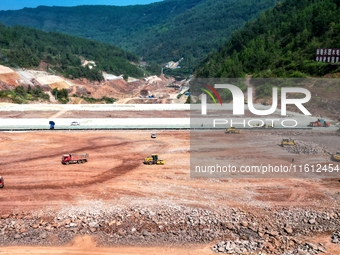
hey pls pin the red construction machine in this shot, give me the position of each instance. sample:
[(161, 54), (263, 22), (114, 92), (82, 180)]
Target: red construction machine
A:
[(73, 158)]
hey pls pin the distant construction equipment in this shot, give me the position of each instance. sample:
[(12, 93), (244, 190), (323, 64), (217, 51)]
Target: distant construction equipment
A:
[(72, 158), (264, 125), (319, 123), (287, 142), (232, 130), (336, 156), (258, 125), (153, 160)]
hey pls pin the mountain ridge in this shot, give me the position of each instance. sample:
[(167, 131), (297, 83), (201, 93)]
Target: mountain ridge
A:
[(162, 31), (64, 54)]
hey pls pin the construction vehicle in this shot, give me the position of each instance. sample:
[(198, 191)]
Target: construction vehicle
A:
[(287, 142), (72, 158), (324, 123), (319, 123), (336, 156), (2, 183), (258, 125), (232, 130), (153, 160)]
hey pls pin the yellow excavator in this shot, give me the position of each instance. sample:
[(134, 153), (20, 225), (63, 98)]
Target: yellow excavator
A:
[(232, 130), (258, 125), (336, 156), (287, 142), (153, 160)]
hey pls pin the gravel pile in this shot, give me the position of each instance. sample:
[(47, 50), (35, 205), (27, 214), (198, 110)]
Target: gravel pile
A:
[(306, 148), (5, 86), (237, 231), (336, 237), (307, 249), (237, 247)]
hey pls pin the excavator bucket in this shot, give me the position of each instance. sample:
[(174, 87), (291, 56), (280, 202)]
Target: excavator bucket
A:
[(336, 156)]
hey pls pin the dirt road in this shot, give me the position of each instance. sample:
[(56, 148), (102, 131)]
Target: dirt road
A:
[(85, 245)]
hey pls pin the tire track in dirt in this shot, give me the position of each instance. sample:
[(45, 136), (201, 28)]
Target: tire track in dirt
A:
[(92, 145), (299, 192), (46, 156), (129, 163), (110, 174), (5, 139)]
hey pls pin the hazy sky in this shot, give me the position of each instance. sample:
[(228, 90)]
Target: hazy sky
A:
[(19, 4)]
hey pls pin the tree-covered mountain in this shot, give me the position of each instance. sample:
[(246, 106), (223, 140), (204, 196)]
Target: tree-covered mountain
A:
[(28, 47), (282, 42), (162, 31)]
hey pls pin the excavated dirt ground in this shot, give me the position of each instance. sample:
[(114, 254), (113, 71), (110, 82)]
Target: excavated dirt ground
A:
[(85, 245), (37, 183)]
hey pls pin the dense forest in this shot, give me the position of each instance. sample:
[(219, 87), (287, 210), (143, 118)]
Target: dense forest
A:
[(159, 32), (282, 42), (27, 47)]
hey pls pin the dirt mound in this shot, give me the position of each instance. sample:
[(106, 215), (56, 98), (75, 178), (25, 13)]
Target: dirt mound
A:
[(116, 89), (144, 92), (50, 79), (12, 78), (5, 69), (306, 148), (81, 91), (60, 85), (4, 85)]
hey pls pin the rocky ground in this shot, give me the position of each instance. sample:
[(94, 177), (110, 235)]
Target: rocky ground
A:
[(269, 231)]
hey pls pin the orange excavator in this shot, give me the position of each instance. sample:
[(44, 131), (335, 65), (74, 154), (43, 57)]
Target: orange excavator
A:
[(319, 123)]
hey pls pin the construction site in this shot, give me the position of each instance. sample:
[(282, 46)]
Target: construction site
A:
[(132, 177), (149, 90), (133, 194)]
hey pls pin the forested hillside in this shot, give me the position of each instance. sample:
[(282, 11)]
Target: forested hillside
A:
[(282, 42), (27, 47), (161, 32)]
